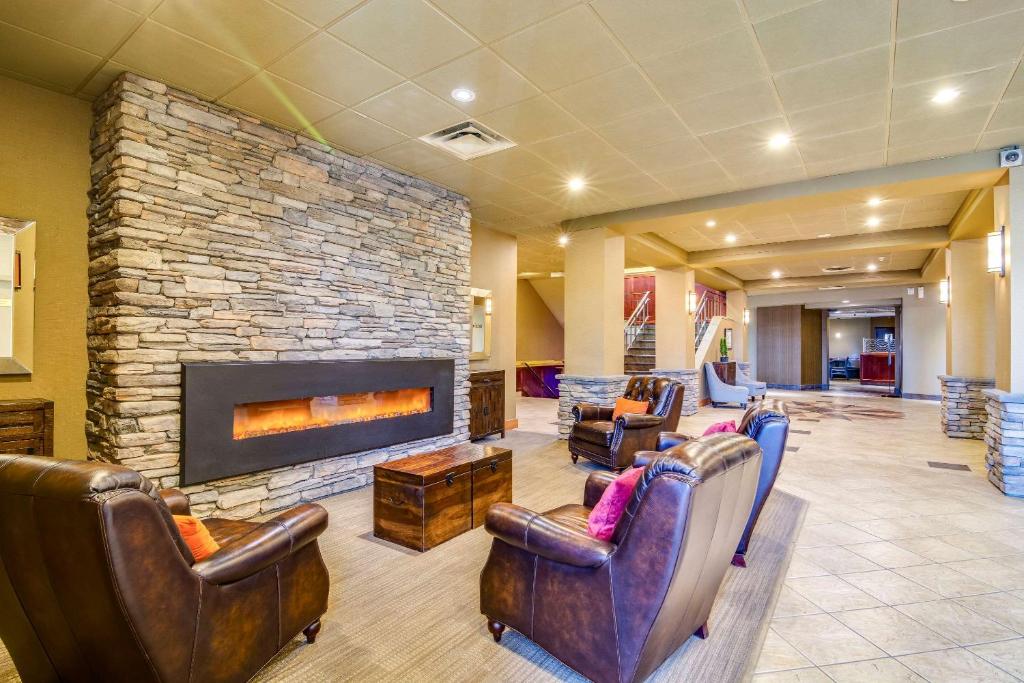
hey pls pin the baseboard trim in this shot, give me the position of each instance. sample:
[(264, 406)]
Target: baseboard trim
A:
[(511, 424), (798, 387), (703, 402), (923, 397)]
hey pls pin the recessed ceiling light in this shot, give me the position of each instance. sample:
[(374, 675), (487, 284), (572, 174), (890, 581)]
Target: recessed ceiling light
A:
[(563, 240), (463, 95), (779, 140), (711, 222), (881, 258), (872, 267), (874, 201), (730, 238), (946, 95), (576, 184), (825, 234), (846, 301), (776, 274), (874, 222)]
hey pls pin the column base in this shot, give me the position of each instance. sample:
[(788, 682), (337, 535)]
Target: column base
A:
[(573, 389), (1004, 441), (690, 380), (962, 407)]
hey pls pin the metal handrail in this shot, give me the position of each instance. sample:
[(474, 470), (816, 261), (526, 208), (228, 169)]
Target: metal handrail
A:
[(540, 379), (708, 307), (637, 321)]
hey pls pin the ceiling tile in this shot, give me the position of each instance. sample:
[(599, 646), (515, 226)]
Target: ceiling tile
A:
[(835, 80), (730, 108), (643, 129), (925, 16), (760, 176), (978, 46), (495, 83), (609, 96), (856, 162), (141, 6), (759, 10), (252, 30), (838, 117), (407, 35), (497, 18), (652, 27), (576, 152), (668, 154), (102, 79), (318, 12), (531, 120), (97, 26), (1016, 88), (980, 87), (462, 177), (353, 131), (627, 187), (1009, 114), (750, 140), (700, 173), (44, 60), (412, 110), (828, 149), (169, 56), (931, 150), (1002, 138), (269, 97), (939, 126), (561, 50), (414, 156), (824, 30), (512, 163), (328, 66), (492, 213), (707, 67)]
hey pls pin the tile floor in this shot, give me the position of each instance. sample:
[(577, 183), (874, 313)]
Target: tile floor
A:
[(903, 572)]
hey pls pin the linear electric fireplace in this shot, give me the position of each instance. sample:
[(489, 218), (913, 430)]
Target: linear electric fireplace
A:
[(239, 418)]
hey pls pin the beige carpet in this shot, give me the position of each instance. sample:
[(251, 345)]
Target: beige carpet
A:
[(397, 615)]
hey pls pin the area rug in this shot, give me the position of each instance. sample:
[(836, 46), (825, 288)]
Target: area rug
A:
[(398, 615)]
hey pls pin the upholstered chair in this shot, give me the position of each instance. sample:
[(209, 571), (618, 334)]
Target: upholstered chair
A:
[(96, 583), (719, 392), (596, 437), (756, 389), (767, 423), (615, 610)]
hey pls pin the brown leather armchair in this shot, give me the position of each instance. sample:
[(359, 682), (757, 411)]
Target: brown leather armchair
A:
[(96, 583), (614, 611), (596, 437)]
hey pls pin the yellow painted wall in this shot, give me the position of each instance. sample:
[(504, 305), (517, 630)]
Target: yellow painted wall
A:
[(44, 176), (24, 298), (493, 259), (539, 336)]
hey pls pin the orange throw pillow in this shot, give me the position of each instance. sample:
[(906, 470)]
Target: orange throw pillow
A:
[(624, 405), (197, 536)]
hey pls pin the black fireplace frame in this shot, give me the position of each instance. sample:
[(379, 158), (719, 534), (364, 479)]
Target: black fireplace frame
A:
[(210, 392)]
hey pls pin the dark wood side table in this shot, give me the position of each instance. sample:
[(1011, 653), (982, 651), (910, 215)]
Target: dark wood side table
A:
[(726, 371), (486, 403), (427, 499), (26, 426)]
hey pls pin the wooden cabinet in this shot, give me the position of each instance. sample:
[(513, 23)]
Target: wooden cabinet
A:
[(486, 403), (726, 371), (422, 501), (26, 427), (878, 369)]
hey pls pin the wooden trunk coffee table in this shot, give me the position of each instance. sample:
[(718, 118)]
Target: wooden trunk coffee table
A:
[(426, 499)]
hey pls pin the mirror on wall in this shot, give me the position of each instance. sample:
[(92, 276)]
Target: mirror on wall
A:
[(480, 318), (17, 295)]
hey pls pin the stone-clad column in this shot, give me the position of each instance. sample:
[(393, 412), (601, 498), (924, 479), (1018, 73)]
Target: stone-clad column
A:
[(1004, 441), (963, 408)]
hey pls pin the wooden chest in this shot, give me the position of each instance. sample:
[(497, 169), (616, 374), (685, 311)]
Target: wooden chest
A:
[(424, 500), (26, 426), (486, 403)]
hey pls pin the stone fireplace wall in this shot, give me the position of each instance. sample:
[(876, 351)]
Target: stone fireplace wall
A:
[(216, 237)]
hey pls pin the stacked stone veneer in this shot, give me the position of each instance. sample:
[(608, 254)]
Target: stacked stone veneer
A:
[(573, 389), (1004, 441), (690, 379), (963, 407), (215, 237)]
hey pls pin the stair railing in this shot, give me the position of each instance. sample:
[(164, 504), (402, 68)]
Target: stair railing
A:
[(547, 388), (710, 305), (637, 321)]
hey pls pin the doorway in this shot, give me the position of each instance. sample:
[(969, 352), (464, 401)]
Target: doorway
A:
[(864, 350)]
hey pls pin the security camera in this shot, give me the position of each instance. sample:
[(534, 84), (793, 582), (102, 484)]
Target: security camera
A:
[(1009, 156)]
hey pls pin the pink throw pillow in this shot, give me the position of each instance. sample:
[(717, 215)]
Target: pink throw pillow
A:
[(718, 427), (605, 516)]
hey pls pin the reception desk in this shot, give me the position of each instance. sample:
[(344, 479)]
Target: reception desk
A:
[(877, 368)]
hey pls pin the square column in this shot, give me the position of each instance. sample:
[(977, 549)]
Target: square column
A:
[(594, 264), (674, 336), (1009, 290), (735, 304)]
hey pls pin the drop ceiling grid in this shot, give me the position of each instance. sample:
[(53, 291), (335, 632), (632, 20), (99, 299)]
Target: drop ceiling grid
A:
[(809, 83)]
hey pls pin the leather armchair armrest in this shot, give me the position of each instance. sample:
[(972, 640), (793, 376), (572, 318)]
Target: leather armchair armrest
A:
[(639, 421), (667, 440), (645, 458), (545, 537), (176, 501), (266, 544), (589, 411), (597, 482)]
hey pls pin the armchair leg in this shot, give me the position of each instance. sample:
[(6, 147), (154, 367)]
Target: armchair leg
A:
[(312, 631), (496, 628), (702, 632), (574, 457), (738, 560)]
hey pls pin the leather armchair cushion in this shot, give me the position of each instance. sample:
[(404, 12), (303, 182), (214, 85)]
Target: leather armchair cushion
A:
[(599, 432), (545, 536), (570, 515), (225, 531), (667, 440), (588, 411)]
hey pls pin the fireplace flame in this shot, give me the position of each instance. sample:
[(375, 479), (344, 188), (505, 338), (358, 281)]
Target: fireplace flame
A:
[(294, 415)]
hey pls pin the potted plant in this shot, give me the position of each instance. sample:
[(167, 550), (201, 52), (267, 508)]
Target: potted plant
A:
[(723, 350)]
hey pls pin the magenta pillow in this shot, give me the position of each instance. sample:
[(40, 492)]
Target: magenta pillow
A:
[(718, 427), (605, 516)]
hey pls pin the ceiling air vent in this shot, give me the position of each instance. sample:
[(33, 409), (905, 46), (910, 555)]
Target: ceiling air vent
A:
[(832, 270), (468, 140)]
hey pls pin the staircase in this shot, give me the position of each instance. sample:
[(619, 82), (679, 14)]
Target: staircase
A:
[(639, 358)]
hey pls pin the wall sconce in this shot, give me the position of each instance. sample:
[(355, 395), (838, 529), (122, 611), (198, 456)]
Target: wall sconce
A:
[(488, 305), (944, 291), (996, 251), (691, 302), (746, 316)]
